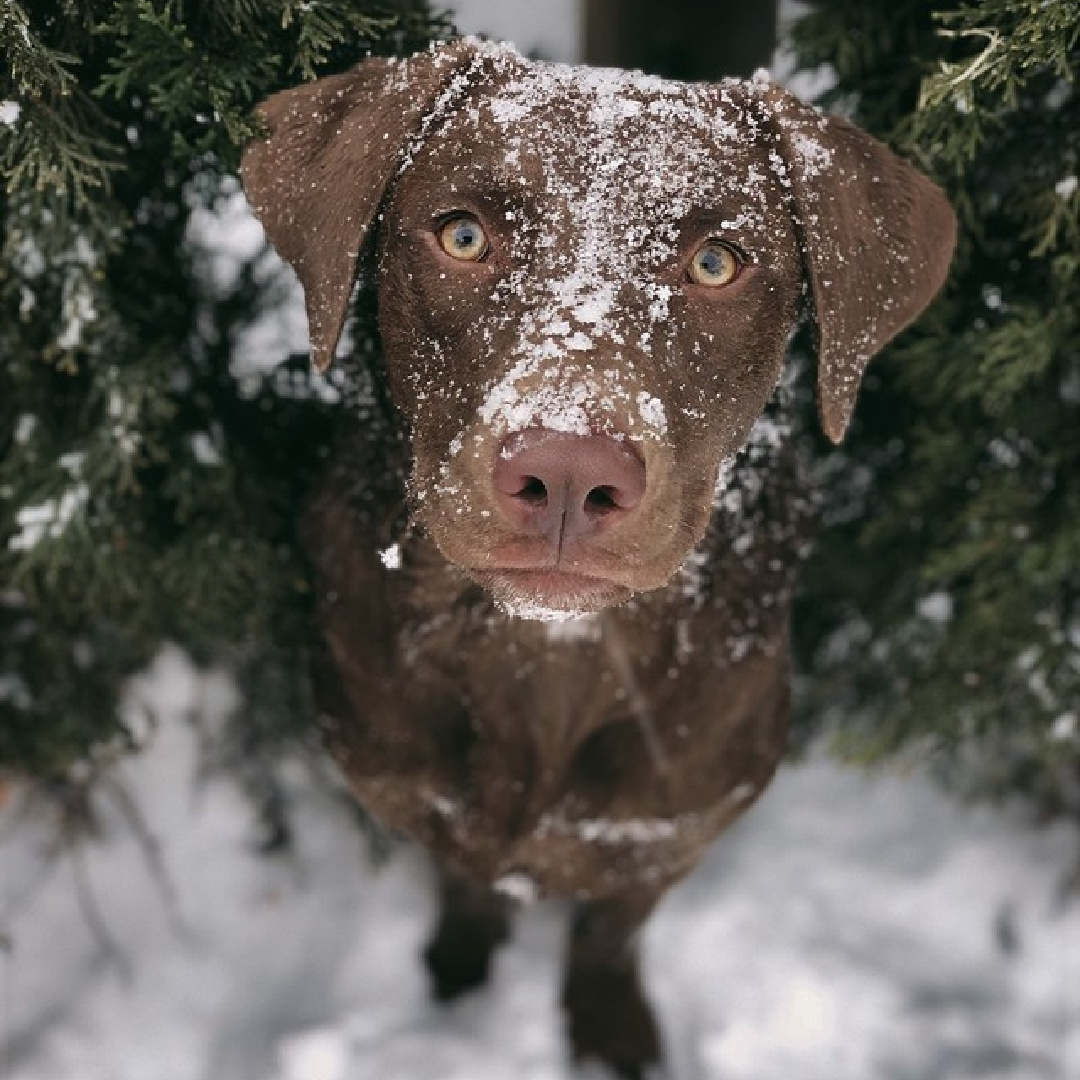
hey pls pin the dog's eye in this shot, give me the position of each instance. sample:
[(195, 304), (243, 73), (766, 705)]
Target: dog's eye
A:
[(714, 264), (463, 237)]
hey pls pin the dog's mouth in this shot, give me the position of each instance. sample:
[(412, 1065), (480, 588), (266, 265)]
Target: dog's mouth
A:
[(549, 594)]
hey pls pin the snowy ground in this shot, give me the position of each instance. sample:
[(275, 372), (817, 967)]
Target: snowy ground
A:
[(848, 929)]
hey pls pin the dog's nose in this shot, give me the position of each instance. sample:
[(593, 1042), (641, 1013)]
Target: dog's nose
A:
[(564, 486)]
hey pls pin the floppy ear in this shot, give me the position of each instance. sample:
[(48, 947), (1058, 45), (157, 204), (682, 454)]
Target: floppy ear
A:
[(876, 235), (332, 146)]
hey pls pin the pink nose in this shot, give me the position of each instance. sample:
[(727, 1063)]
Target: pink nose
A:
[(565, 487)]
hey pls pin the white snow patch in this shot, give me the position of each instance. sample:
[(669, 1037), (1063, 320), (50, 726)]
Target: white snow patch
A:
[(28, 259), (77, 312), (694, 575), (725, 474), (936, 607), (526, 607), (391, 557), (518, 887), (574, 631), (651, 410), (1065, 187), (320, 1054), (25, 426), (49, 519), (204, 450), (72, 462), (606, 831), (553, 404), (10, 111), (1066, 728), (225, 239), (815, 158)]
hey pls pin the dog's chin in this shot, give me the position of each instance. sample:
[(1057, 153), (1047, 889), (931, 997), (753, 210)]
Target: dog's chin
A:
[(549, 595)]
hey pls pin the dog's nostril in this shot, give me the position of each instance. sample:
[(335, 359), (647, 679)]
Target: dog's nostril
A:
[(533, 492), (601, 500)]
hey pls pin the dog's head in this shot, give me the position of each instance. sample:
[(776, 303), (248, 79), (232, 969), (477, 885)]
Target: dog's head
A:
[(587, 281)]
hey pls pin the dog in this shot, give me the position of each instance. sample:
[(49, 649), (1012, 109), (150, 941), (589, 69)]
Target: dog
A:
[(554, 550)]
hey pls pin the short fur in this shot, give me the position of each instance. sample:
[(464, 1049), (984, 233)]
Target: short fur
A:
[(597, 758)]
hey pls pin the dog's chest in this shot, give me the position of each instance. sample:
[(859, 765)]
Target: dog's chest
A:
[(572, 758), (577, 756)]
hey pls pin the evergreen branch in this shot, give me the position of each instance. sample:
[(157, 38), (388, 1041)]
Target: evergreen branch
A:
[(320, 27), (952, 76), (32, 69), (52, 149)]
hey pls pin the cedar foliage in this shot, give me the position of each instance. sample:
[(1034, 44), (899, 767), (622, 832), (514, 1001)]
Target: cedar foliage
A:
[(148, 485), (942, 613)]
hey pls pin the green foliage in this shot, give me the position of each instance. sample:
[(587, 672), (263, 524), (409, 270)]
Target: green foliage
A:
[(149, 482), (942, 613)]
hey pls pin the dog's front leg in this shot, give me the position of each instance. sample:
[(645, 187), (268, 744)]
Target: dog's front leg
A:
[(473, 922), (607, 1015)]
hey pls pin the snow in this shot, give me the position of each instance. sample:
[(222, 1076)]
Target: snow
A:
[(10, 111), (815, 158), (25, 426), (78, 313), (575, 631), (391, 557), (936, 607), (48, 519), (849, 927), (204, 449), (1065, 728), (519, 887), (224, 239), (808, 84), (526, 607), (321, 1054)]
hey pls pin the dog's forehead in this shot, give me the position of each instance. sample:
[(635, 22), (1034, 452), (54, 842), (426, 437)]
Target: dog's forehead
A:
[(635, 141), (581, 107)]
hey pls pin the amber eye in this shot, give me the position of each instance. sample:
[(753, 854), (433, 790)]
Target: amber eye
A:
[(714, 264), (463, 237)]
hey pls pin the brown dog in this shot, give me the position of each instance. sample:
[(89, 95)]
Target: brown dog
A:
[(586, 282)]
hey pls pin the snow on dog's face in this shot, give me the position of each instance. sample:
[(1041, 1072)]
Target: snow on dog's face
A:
[(586, 283), (591, 254)]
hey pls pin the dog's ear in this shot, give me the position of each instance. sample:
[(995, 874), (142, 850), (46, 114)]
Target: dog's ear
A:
[(877, 238), (331, 148)]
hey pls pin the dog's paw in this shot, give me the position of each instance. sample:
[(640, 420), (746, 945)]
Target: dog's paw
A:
[(459, 957), (609, 1020)]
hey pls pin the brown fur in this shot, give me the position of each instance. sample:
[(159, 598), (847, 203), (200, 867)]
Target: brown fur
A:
[(596, 759)]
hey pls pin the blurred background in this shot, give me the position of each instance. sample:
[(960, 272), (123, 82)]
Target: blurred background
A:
[(694, 39)]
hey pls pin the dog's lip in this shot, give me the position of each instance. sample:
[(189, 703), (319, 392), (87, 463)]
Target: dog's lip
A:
[(551, 582), (550, 589), (527, 555)]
